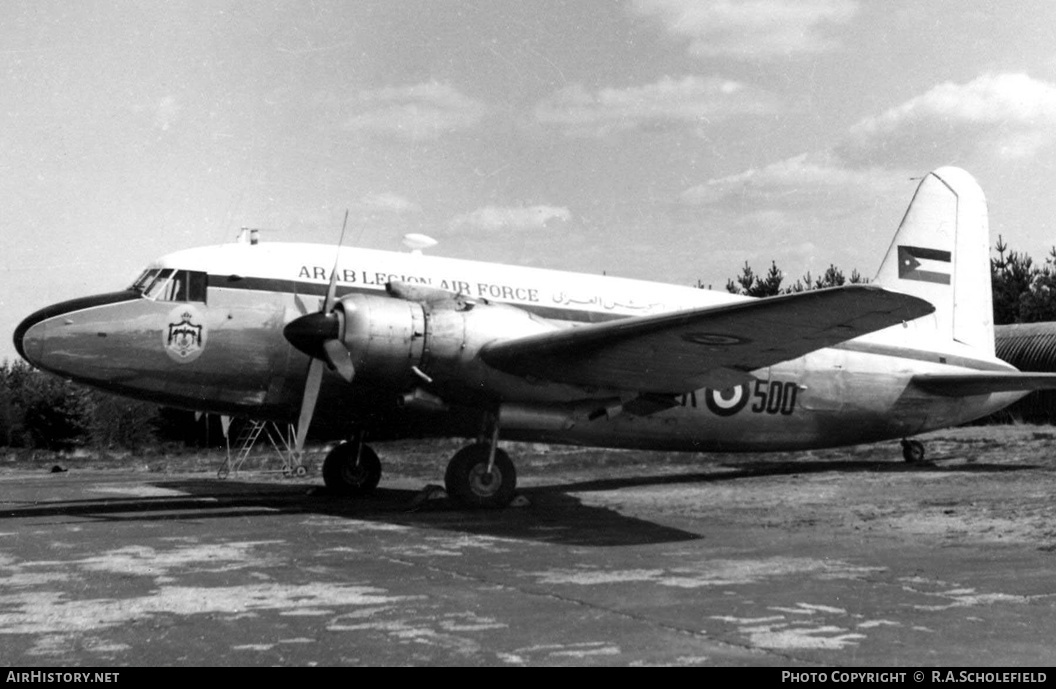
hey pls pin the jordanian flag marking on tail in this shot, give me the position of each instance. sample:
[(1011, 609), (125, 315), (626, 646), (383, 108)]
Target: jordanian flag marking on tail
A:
[(926, 265)]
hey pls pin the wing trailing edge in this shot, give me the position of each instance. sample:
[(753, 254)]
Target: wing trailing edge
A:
[(983, 383)]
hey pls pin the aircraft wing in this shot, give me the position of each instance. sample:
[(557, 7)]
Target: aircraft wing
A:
[(713, 346), (983, 383)]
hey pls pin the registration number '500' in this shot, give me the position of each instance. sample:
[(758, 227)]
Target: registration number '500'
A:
[(765, 396)]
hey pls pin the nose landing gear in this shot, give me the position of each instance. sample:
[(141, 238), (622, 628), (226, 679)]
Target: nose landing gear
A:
[(352, 468)]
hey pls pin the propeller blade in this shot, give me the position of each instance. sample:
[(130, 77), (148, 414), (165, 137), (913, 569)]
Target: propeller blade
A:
[(317, 335), (331, 290), (340, 359), (311, 394)]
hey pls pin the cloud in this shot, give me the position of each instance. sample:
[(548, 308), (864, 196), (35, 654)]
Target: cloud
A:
[(846, 195), (812, 195), (1002, 116), (993, 117), (166, 113), (496, 218), (669, 101), (803, 211), (818, 175), (416, 113), (750, 28), (386, 202)]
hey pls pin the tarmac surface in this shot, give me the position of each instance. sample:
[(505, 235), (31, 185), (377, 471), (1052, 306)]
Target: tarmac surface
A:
[(843, 558)]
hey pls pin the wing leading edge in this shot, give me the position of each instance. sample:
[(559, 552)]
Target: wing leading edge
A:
[(713, 346)]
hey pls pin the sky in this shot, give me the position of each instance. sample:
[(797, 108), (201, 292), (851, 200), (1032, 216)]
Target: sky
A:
[(669, 140)]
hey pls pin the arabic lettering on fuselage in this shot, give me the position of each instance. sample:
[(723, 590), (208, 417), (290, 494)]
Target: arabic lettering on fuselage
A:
[(381, 278), (604, 302)]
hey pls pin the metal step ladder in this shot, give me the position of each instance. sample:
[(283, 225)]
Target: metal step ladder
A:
[(282, 444)]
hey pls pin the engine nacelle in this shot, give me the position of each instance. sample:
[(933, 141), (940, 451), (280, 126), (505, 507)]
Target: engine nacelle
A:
[(385, 337), (388, 338)]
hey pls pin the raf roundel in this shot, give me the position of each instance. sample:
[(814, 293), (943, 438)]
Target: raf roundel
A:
[(715, 339), (726, 402), (184, 334)]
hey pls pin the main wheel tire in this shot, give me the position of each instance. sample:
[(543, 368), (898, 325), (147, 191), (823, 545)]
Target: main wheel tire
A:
[(344, 475), (467, 479), (913, 451)]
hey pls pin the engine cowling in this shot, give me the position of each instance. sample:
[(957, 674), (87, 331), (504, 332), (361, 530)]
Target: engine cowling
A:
[(388, 337), (385, 337)]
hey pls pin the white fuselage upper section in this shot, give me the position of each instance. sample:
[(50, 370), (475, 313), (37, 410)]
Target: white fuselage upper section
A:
[(554, 294), (366, 269)]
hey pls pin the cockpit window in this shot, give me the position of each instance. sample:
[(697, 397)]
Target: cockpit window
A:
[(145, 279), (154, 289), (169, 284), (176, 288), (197, 285)]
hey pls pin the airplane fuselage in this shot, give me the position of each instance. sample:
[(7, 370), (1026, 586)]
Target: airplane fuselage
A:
[(214, 342)]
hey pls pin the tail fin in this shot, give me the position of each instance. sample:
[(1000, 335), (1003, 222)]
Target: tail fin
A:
[(941, 253)]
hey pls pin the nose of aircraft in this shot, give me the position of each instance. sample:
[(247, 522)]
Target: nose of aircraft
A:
[(29, 338), (33, 336)]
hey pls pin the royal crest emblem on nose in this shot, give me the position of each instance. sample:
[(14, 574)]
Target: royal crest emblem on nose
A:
[(185, 335)]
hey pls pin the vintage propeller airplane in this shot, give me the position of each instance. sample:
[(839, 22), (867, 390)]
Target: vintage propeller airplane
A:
[(404, 344)]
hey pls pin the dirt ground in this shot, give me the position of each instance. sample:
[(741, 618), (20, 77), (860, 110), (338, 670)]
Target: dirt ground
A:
[(847, 557), (989, 483)]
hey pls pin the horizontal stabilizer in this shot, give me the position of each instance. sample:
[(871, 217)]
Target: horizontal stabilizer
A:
[(709, 346), (983, 383)]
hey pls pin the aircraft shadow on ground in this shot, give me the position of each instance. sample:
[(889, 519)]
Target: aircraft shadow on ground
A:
[(551, 517), (555, 514)]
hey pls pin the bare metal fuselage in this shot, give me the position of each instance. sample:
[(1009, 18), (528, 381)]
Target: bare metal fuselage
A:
[(227, 354)]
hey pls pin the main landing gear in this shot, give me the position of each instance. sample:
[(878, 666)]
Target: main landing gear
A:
[(912, 451), (482, 474)]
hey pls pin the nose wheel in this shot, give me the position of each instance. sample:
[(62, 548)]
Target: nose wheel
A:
[(352, 468), (912, 451)]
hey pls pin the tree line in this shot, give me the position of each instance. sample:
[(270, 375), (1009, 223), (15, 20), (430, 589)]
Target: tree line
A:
[(1024, 292), (38, 410), (750, 284), (42, 411)]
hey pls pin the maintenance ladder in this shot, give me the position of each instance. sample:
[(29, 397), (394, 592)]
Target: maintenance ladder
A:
[(282, 443)]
